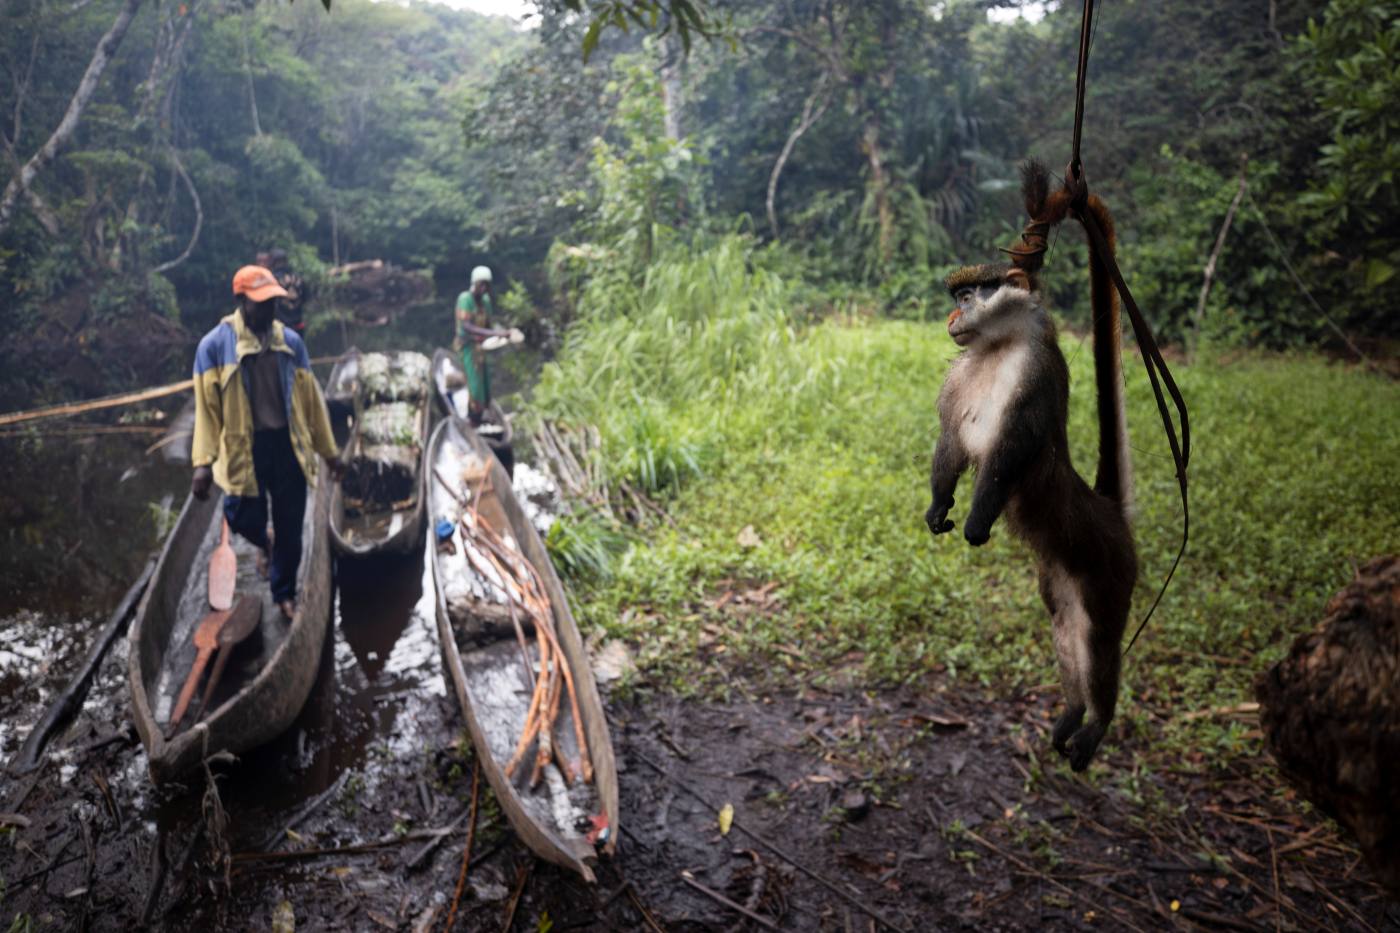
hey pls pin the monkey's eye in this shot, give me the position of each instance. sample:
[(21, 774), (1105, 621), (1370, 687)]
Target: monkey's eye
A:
[(963, 296)]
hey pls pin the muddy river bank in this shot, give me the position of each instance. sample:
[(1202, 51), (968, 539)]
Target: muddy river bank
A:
[(928, 806)]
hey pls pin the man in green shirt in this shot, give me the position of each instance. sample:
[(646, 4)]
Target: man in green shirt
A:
[(475, 336)]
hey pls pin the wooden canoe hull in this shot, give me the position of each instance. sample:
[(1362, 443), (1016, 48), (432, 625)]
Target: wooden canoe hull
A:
[(446, 362), (408, 537), (547, 840), (264, 706)]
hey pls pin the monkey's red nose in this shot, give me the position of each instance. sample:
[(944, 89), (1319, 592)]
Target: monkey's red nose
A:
[(954, 315)]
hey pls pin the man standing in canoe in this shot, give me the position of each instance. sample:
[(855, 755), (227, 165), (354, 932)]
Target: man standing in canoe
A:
[(475, 336), (260, 422)]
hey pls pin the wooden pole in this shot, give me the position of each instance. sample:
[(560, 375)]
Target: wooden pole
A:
[(112, 401)]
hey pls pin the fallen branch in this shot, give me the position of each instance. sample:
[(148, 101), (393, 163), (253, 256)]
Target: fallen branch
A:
[(829, 885), (720, 898), (467, 850), (522, 878), (642, 908), (71, 699), (1238, 709), (160, 865), (274, 840), (125, 735), (414, 863), (358, 849), (1043, 876)]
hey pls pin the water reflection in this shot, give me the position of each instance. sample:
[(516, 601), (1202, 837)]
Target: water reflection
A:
[(78, 518), (377, 670)]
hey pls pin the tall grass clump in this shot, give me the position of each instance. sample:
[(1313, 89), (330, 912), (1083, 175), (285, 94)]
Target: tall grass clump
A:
[(660, 364), (824, 482)]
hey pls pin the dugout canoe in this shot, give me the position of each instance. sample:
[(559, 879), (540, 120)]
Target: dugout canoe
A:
[(450, 385), (268, 677), (342, 390), (385, 530), (483, 661)]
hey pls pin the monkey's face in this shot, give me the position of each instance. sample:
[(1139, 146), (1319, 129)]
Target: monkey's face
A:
[(977, 314)]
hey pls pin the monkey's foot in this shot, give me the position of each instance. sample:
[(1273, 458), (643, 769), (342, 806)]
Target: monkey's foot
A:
[(975, 533), (1065, 726), (1084, 743)]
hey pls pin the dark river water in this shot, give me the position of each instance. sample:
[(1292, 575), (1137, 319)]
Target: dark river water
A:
[(80, 514)]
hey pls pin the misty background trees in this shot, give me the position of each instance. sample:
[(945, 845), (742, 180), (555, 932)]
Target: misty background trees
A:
[(876, 142)]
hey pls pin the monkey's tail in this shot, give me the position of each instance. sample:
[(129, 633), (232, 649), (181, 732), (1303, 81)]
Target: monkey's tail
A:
[(1046, 210), (1115, 475)]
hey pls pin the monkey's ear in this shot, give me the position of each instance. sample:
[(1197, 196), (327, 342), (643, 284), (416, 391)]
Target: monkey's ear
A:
[(1018, 278)]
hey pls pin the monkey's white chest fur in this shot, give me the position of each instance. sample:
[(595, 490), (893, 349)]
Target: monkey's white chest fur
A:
[(980, 390)]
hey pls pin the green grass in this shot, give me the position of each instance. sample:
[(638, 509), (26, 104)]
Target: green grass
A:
[(819, 438)]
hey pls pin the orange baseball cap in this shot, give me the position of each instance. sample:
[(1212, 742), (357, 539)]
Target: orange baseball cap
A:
[(257, 283)]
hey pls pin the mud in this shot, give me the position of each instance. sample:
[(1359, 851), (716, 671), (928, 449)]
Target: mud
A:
[(929, 806), (926, 806)]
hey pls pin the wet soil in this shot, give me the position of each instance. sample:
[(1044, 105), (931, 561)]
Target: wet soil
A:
[(927, 806)]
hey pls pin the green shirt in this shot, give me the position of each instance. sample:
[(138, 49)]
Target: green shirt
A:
[(470, 311)]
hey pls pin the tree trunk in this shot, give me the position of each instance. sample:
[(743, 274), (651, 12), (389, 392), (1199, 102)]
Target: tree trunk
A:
[(811, 113), (880, 187), (101, 58), (248, 77), (158, 108), (671, 64)]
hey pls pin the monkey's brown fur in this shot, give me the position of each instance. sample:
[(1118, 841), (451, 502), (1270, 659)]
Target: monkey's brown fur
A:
[(1081, 535)]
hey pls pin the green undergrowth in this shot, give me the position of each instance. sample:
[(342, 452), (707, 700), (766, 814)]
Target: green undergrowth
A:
[(800, 457)]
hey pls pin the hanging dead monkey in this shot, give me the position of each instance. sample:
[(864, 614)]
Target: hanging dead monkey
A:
[(1003, 410)]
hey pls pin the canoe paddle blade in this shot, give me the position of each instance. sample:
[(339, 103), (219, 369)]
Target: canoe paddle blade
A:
[(242, 622), (223, 573), (206, 642)]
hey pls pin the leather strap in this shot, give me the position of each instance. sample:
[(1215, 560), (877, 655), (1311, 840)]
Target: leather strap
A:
[(1157, 371), (1159, 375)]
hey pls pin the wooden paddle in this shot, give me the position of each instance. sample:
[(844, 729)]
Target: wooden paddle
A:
[(223, 573), (206, 642), (242, 622)]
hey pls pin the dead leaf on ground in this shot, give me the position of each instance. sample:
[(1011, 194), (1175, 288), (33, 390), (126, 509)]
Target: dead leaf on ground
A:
[(611, 661)]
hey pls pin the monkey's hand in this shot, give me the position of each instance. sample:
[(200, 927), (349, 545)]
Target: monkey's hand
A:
[(937, 517)]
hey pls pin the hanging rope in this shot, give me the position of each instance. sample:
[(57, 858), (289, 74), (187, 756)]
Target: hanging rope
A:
[(1157, 372)]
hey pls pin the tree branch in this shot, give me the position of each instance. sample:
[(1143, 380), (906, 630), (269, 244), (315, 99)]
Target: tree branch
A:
[(248, 76), (811, 113), (198, 215), (1215, 254), (101, 58)]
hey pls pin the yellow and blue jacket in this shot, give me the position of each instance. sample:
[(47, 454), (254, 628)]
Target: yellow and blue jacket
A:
[(223, 415)]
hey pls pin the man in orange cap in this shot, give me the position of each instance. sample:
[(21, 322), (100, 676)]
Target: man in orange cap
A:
[(260, 423)]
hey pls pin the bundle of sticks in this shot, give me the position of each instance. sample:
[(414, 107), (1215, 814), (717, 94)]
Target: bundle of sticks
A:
[(526, 596), (573, 457)]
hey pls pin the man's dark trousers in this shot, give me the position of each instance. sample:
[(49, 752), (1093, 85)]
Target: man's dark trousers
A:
[(279, 476)]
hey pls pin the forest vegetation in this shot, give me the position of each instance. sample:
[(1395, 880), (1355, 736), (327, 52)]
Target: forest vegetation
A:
[(874, 144), (725, 228)]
